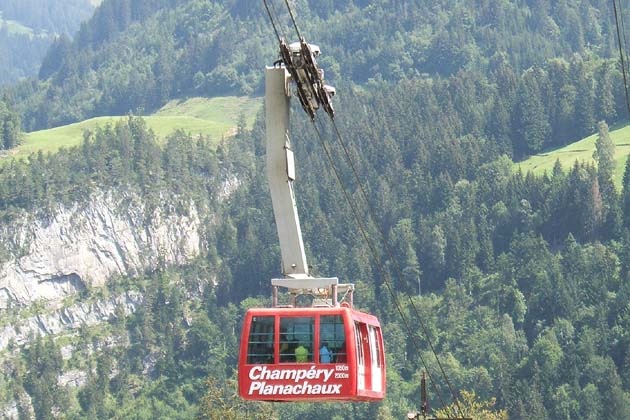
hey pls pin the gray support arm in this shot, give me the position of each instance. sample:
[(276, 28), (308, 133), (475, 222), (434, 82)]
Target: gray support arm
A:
[(281, 173)]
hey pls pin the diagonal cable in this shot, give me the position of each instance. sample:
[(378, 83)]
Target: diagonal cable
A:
[(393, 259), (271, 18), (621, 48), (377, 259), (622, 23), (297, 31)]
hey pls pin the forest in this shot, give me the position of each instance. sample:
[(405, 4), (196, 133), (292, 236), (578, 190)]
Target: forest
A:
[(523, 281), (58, 17), (28, 28)]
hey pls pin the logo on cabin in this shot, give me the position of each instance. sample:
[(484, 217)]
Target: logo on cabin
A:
[(311, 381)]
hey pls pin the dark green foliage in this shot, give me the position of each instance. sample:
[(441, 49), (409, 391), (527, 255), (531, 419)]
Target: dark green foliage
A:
[(22, 52), (10, 126), (55, 57), (44, 365), (625, 194), (522, 280), (124, 156)]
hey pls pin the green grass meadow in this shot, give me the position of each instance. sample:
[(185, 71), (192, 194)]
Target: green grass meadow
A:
[(214, 117), (581, 151)]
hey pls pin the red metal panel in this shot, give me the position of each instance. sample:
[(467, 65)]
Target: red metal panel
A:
[(295, 382)]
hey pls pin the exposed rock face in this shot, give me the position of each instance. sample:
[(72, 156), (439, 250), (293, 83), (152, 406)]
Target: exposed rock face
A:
[(85, 245), (67, 319), (22, 408), (73, 378), (45, 262)]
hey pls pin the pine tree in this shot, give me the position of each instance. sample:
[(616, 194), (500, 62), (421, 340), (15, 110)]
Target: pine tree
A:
[(10, 126), (531, 120), (604, 155), (591, 405)]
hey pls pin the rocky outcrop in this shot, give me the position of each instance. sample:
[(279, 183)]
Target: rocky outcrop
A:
[(22, 408), (85, 245), (69, 318), (51, 266)]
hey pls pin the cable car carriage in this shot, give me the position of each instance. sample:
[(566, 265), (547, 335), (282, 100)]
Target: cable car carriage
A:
[(329, 351)]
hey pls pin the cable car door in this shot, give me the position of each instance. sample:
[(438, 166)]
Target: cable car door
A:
[(376, 367), (360, 361), (364, 377)]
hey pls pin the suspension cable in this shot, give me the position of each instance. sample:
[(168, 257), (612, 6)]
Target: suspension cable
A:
[(623, 31), (297, 31), (375, 255), (366, 238), (273, 9), (271, 19), (621, 48), (624, 46), (393, 259)]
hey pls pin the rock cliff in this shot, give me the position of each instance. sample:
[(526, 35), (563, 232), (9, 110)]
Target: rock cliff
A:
[(50, 266), (85, 245)]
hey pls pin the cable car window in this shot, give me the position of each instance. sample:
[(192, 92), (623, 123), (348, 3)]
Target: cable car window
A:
[(374, 346), (296, 339), (359, 344), (333, 336), (260, 344)]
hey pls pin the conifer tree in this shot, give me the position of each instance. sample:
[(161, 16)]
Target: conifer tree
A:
[(604, 155), (531, 120), (10, 132)]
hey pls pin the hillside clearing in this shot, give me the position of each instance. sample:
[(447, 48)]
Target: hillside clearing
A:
[(213, 117), (582, 151)]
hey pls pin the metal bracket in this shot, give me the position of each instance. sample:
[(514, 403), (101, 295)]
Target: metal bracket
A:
[(310, 283)]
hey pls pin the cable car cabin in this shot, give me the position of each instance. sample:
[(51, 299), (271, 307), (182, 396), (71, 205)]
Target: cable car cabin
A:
[(311, 354)]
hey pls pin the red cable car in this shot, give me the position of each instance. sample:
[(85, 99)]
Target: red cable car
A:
[(327, 351), (314, 354)]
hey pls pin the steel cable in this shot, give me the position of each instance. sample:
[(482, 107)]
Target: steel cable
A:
[(379, 263), (366, 236), (621, 48), (393, 260)]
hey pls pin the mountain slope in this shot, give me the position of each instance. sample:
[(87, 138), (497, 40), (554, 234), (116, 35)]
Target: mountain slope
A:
[(125, 56), (214, 117), (29, 27), (522, 280)]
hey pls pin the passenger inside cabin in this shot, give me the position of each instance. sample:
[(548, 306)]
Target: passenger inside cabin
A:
[(301, 354), (260, 347), (324, 354), (287, 349)]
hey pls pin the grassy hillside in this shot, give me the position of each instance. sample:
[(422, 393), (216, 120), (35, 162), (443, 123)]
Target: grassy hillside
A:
[(581, 151), (224, 109), (214, 117)]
